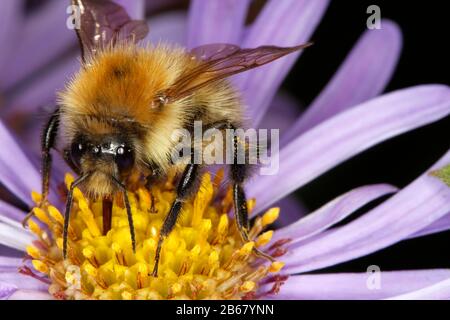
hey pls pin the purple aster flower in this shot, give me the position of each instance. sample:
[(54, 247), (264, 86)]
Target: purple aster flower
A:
[(346, 118)]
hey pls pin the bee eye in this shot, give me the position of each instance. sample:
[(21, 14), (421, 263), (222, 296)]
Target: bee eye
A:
[(124, 159), (76, 152)]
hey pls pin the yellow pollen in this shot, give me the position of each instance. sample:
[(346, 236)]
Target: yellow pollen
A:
[(248, 286), (55, 214), (40, 266), (276, 266), (264, 238), (270, 216), (204, 257), (41, 215), (33, 252), (36, 197)]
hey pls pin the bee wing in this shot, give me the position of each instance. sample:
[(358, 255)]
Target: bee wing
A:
[(103, 23), (219, 61)]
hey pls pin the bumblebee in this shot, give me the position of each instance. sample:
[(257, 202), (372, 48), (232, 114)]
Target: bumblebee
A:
[(117, 116)]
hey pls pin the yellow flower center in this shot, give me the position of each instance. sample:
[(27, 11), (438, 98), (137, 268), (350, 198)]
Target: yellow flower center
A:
[(204, 257)]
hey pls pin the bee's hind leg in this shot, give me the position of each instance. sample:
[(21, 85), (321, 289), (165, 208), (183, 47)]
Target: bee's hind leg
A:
[(48, 141), (238, 173)]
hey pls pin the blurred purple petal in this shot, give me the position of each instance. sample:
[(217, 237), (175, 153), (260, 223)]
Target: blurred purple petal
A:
[(6, 290), (22, 281), (41, 91), (348, 133), (10, 25), (332, 213), (49, 22), (30, 295), (342, 286), (441, 225), (363, 75), (419, 204), (216, 21), (134, 8), (16, 171), (8, 264), (11, 212), (168, 27), (281, 23), (10, 252), (438, 291), (13, 235)]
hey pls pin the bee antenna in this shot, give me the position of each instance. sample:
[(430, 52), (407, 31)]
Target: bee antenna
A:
[(69, 208), (128, 207)]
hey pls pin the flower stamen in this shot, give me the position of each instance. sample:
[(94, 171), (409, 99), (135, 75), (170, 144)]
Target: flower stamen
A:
[(203, 258)]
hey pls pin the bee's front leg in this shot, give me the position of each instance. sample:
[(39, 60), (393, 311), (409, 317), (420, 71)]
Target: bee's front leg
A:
[(186, 186), (48, 142)]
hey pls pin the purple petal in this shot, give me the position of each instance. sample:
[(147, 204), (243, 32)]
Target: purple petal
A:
[(363, 75), (30, 295), (11, 212), (16, 171), (34, 49), (134, 8), (6, 290), (8, 264), (216, 21), (281, 23), (10, 252), (348, 133), (419, 204), (41, 91), (13, 235), (10, 24), (342, 286), (22, 281), (168, 28), (441, 225), (332, 213), (438, 291)]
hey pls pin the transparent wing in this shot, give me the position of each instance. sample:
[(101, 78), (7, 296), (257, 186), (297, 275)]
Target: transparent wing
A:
[(102, 23), (218, 61)]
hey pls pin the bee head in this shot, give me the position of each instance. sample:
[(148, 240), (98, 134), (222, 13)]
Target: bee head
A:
[(111, 155)]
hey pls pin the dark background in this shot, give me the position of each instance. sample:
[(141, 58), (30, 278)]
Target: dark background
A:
[(424, 59)]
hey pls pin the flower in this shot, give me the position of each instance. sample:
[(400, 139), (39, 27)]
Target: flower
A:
[(204, 256), (345, 119)]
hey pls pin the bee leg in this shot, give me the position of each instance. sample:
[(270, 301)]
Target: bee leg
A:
[(48, 141), (148, 183), (67, 211), (238, 174), (185, 187), (128, 208)]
